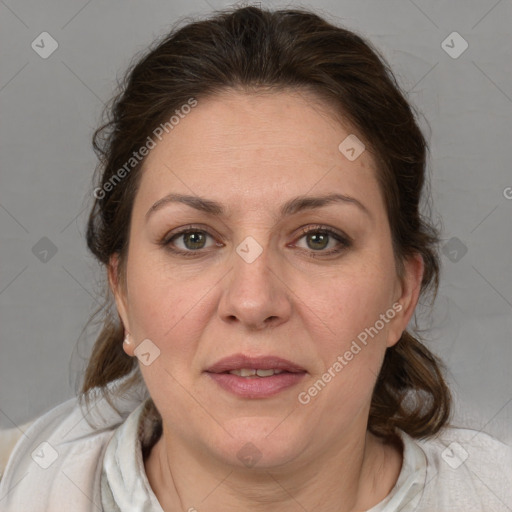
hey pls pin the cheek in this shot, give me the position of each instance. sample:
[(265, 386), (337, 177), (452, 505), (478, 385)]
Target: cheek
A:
[(170, 306), (351, 339), (351, 351), (158, 301), (355, 299)]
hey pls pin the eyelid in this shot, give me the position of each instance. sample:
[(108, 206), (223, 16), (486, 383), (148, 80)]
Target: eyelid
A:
[(304, 230), (190, 228)]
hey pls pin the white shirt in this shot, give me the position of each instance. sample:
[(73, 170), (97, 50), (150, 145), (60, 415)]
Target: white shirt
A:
[(64, 464)]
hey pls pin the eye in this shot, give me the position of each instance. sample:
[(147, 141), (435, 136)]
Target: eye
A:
[(188, 241), (319, 238)]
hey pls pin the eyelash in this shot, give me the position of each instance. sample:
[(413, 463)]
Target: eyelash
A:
[(343, 240)]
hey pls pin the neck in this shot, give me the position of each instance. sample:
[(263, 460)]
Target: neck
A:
[(353, 476)]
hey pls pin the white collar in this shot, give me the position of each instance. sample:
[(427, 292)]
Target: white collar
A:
[(124, 483)]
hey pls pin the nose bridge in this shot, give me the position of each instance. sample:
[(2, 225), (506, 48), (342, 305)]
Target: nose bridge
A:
[(252, 280), (254, 295)]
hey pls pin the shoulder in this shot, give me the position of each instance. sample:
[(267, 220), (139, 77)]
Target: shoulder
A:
[(467, 470), (8, 440), (56, 464)]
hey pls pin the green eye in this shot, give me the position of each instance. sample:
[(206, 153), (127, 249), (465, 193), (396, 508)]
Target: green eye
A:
[(194, 240), (318, 239)]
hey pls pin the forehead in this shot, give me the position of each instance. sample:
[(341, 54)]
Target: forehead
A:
[(255, 147)]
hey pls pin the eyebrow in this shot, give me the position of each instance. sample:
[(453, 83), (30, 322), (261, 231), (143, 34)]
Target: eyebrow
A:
[(291, 207)]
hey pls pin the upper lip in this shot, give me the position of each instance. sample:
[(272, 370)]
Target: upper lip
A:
[(240, 361)]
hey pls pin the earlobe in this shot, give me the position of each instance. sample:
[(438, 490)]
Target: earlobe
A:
[(128, 345), (407, 299)]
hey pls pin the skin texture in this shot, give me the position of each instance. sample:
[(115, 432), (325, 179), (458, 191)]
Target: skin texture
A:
[(252, 152)]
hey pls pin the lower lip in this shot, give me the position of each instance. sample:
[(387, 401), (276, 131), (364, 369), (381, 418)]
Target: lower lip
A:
[(256, 387)]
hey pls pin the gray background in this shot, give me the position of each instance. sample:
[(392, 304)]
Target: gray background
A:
[(50, 107)]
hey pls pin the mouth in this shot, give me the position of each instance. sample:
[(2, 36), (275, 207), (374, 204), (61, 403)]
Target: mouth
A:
[(255, 377), (256, 365)]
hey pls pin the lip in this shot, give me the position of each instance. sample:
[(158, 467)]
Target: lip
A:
[(239, 361), (255, 387)]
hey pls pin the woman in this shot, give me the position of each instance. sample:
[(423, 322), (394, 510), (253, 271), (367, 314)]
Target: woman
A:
[(257, 213)]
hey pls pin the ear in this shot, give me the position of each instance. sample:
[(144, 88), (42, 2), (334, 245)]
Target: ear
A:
[(118, 289), (406, 297)]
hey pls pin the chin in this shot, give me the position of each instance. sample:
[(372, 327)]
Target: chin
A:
[(261, 442)]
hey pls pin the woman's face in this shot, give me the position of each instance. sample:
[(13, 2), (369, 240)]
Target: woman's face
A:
[(247, 280)]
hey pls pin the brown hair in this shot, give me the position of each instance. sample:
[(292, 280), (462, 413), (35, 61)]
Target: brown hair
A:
[(251, 48)]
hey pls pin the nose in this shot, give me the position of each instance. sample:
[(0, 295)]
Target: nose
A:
[(254, 295)]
